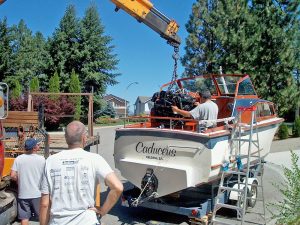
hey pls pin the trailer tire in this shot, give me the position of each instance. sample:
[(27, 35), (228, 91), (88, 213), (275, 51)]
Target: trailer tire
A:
[(253, 194)]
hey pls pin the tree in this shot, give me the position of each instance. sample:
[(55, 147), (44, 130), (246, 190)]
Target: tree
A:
[(75, 88), (252, 37), (6, 51), (54, 86), (107, 110), (16, 90), (288, 210), (64, 46), (274, 61), (34, 85), (98, 60)]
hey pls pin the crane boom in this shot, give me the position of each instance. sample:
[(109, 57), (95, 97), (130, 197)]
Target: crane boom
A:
[(145, 12)]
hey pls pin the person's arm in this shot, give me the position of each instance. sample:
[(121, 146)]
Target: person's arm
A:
[(116, 189), (181, 112), (45, 209), (14, 175)]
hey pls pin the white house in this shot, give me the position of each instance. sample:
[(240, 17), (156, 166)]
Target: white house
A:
[(142, 105)]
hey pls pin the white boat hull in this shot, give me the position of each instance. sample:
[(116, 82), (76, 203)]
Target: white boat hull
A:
[(179, 159)]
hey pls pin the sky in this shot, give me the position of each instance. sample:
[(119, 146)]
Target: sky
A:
[(145, 59)]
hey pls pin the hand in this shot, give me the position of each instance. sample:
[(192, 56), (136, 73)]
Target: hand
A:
[(174, 108), (97, 210)]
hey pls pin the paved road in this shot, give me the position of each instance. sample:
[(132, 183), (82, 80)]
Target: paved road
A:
[(139, 216)]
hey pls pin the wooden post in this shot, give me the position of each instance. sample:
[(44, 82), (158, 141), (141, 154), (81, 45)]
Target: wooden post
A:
[(29, 106), (90, 121)]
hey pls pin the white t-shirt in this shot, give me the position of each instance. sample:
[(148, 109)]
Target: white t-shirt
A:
[(30, 169), (69, 178), (206, 111)]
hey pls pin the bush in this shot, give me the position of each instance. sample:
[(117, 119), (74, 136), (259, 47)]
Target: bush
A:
[(283, 132), (289, 208), (296, 128), (105, 120)]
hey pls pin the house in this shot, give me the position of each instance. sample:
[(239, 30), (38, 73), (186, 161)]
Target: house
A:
[(118, 104), (142, 105)]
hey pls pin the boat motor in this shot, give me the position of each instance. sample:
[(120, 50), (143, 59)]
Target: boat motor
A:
[(149, 183)]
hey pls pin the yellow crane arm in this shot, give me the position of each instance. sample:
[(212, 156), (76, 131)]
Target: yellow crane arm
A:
[(145, 12)]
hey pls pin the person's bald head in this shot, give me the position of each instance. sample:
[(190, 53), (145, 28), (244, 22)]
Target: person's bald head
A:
[(74, 133)]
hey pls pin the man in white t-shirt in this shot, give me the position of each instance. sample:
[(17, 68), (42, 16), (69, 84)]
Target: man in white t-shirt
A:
[(208, 110), (69, 180), (27, 171)]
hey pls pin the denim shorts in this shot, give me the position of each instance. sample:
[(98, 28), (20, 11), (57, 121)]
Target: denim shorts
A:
[(28, 208)]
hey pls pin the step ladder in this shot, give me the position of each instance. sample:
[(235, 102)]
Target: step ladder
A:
[(235, 175)]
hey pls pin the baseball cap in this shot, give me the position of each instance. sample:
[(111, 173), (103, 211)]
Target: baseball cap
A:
[(30, 143)]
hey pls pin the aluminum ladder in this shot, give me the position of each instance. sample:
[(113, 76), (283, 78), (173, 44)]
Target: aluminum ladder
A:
[(235, 175)]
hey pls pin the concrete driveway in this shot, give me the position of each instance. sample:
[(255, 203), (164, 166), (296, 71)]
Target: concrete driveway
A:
[(140, 216)]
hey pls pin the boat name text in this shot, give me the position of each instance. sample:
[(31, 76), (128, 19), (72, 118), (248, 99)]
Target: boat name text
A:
[(152, 149)]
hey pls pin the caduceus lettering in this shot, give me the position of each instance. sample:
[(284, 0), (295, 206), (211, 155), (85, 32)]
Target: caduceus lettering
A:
[(154, 150)]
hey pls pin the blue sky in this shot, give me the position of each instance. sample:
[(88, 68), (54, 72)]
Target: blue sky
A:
[(144, 56)]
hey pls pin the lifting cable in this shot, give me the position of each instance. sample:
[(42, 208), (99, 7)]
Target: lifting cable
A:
[(175, 56)]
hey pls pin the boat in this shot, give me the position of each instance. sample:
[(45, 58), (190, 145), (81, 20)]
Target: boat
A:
[(165, 153)]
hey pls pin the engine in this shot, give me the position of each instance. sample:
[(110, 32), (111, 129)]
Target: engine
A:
[(163, 101)]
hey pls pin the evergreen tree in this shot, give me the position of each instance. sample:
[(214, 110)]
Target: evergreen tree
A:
[(253, 37), (64, 46), (30, 57), (76, 100), (54, 86), (6, 52), (275, 59), (34, 85), (97, 58), (16, 89), (23, 50)]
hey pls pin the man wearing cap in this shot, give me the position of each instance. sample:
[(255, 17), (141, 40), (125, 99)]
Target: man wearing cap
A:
[(69, 180), (27, 171), (208, 110)]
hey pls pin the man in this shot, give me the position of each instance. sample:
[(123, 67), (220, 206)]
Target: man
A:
[(68, 185), (208, 110), (27, 171)]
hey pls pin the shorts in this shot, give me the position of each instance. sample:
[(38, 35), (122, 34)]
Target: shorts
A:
[(28, 208)]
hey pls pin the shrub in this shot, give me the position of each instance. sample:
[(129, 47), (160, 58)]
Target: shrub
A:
[(296, 128), (283, 132), (289, 208)]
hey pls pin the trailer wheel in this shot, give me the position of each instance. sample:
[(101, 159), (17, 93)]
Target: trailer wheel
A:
[(253, 194)]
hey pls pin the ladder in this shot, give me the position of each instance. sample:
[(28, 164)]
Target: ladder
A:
[(235, 175)]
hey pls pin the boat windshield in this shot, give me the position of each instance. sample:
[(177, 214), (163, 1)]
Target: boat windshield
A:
[(200, 83), (227, 84), (246, 88)]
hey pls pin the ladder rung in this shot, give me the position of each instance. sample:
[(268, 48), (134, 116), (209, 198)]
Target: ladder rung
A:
[(221, 205), (235, 172), (232, 189), (220, 222), (242, 139)]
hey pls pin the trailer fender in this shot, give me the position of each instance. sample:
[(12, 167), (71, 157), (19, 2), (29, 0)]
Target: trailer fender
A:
[(233, 195)]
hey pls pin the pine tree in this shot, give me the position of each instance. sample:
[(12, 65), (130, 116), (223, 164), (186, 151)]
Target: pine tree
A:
[(34, 85), (64, 46), (253, 37), (275, 59), (98, 60), (16, 90), (6, 51), (75, 88), (54, 86)]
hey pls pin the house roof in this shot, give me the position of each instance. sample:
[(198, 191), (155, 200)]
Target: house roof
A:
[(143, 99), (110, 97)]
